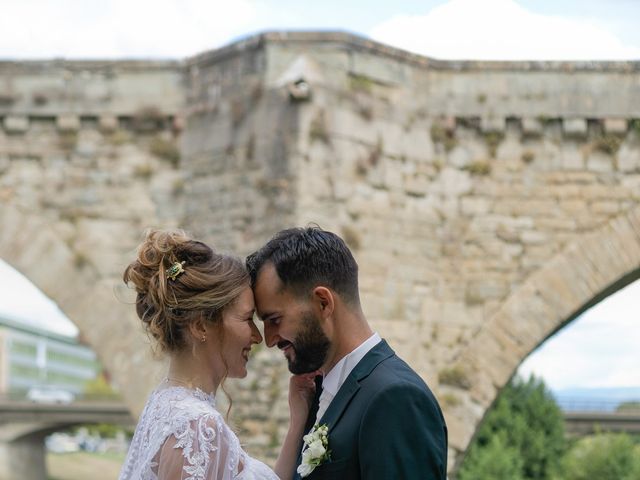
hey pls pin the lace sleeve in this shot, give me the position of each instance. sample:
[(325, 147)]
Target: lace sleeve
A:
[(202, 449)]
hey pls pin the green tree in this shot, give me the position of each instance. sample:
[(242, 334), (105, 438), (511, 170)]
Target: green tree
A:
[(99, 387), (522, 437), (494, 461), (604, 456)]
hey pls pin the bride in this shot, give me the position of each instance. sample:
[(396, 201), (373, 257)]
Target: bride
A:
[(198, 307)]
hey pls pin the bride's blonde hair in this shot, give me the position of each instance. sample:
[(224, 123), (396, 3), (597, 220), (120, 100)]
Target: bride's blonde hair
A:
[(167, 303)]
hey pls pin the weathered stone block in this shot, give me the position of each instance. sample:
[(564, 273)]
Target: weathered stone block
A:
[(68, 123), (629, 159), (15, 124), (531, 237), (531, 126), (575, 127), (492, 124), (416, 185), (108, 123), (615, 125), (599, 162), (475, 205), (606, 207)]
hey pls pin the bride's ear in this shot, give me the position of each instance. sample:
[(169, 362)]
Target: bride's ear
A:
[(197, 330)]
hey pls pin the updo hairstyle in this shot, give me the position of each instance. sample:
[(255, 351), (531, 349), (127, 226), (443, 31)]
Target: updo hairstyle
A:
[(210, 282)]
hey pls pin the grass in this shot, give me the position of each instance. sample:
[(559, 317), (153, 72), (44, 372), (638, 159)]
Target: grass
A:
[(83, 465)]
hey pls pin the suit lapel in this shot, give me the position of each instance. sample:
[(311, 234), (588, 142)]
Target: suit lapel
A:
[(351, 385)]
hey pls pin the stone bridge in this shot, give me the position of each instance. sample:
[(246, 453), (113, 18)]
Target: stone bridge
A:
[(591, 423), (24, 425), (487, 203)]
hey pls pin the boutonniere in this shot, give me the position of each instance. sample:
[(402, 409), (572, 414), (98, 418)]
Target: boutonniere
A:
[(315, 450)]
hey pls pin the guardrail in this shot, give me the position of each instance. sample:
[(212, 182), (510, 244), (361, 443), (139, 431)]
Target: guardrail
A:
[(577, 404)]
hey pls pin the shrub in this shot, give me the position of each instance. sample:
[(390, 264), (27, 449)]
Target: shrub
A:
[(605, 457)]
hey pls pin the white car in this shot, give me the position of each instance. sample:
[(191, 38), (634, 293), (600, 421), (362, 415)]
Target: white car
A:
[(61, 443), (49, 394)]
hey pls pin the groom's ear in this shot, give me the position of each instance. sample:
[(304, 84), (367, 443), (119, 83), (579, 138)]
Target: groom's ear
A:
[(324, 301)]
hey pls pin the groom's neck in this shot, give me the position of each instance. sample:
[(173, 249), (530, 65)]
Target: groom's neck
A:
[(351, 330)]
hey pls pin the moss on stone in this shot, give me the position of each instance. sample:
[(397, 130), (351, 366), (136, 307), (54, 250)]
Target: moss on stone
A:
[(455, 377), (608, 143), (360, 83), (478, 168), (493, 140), (166, 150)]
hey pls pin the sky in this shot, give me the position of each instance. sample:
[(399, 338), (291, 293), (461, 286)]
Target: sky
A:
[(476, 29), (600, 349), (597, 350), (21, 301)]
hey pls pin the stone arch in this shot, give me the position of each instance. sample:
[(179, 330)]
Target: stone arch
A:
[(586, 272), (28, 242), (38, 248)]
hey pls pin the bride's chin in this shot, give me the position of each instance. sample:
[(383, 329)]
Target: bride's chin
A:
[(241, 374)]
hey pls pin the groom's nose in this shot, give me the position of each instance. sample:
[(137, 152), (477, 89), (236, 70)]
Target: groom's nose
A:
[(271, 337)]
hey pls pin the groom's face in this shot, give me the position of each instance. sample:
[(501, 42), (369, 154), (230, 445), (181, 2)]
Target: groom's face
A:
[(289, 323)]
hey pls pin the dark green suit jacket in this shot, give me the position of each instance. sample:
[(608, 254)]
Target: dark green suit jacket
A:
[(384, 424)]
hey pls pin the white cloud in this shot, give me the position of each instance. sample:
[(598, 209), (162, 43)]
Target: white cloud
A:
[(501, 30), (119, 28), (599, 349)]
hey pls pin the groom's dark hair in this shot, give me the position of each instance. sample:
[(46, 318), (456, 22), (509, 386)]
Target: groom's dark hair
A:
[(305, 258)]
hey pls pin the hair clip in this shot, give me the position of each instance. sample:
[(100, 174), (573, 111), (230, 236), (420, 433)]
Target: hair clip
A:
[(175, 270)]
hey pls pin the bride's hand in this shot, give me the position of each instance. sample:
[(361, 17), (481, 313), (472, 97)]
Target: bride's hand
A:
[(302, 389)]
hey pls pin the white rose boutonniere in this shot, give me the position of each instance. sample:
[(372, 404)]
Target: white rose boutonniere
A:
[(315, 450)]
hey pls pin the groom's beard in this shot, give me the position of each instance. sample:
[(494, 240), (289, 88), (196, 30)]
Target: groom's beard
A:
[(310, 346)]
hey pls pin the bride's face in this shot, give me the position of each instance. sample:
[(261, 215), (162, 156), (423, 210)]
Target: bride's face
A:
[(240, 333)]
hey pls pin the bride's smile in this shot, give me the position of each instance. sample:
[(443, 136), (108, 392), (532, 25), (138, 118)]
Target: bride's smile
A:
[(239, 333)]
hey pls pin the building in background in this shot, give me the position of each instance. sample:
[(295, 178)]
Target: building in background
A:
[(32, 356)]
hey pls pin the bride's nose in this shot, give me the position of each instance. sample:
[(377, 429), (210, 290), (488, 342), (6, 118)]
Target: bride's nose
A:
[(256, 337)]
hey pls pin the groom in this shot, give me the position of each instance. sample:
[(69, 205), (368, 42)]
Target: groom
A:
[(382, 421)]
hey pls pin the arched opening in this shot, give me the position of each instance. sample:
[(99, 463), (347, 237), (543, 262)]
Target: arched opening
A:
[(51, 381), (580, 388), (39, 345), (39, 248), (586, 272), (592, 362)]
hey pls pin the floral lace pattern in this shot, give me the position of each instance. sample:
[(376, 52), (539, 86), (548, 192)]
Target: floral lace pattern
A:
[(181, 433)]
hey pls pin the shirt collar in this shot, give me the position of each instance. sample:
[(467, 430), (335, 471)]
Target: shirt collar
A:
[(333, 380)]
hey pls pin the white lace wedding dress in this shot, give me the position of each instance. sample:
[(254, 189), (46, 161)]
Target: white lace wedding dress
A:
[(181, 435)]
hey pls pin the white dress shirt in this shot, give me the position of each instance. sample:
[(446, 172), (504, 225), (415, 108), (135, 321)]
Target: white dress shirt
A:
[(333, 380)]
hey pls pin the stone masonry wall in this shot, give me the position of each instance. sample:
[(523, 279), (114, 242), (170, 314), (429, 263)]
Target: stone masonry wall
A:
[(453, 188), (476, 196)]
